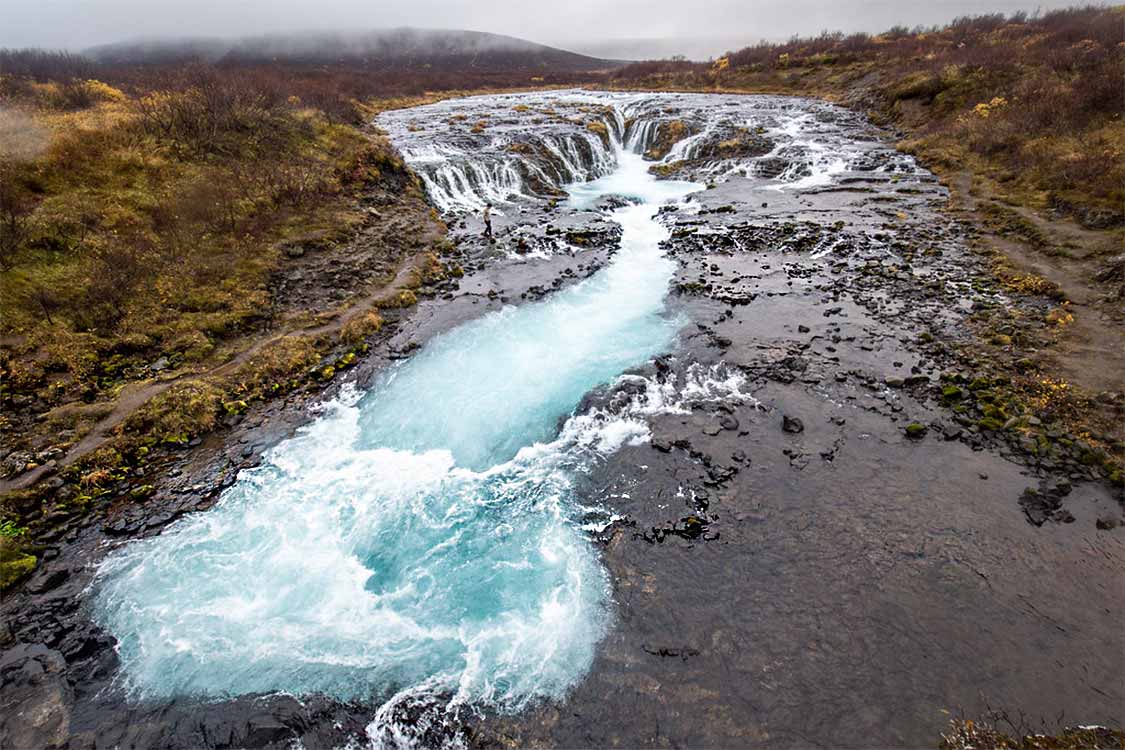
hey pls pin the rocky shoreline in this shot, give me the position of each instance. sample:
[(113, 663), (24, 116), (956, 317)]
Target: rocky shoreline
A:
[(875, 533)]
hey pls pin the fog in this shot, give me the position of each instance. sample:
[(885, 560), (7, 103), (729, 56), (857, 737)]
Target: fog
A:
[(621, 29)]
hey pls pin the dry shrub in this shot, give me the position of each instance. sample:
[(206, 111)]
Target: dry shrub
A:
[(114, 272), (15, 217), (202, 112), (277, 367), (44, 65), (360, 327), (182, 411)]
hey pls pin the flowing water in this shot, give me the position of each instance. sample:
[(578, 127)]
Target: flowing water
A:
[(424, 538), (425, 543), (426, 547)]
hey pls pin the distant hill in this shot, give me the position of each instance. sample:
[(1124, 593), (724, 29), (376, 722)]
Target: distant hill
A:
[(389, 49)]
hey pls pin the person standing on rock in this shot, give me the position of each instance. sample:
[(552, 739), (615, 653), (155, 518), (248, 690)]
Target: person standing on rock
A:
[(488, 220)]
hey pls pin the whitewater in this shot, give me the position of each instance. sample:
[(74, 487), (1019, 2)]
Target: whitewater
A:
[(424, 541)]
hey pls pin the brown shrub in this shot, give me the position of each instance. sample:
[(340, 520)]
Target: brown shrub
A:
[(113, 274), (184, 410), (15, 212)]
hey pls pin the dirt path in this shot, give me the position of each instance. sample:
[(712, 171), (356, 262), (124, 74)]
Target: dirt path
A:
[(1090, 351)]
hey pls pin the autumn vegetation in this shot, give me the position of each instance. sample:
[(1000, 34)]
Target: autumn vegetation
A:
[(1032, 104), (145, 206), (146, 209)]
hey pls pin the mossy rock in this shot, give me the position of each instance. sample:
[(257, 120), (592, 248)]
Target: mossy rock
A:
[(916, 430), (990, 423), (951, 393), (992, 411), (15, 565), (235, 407), (979, 384)]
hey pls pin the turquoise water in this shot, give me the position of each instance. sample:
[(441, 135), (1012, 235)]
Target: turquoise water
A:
[(423, 537)]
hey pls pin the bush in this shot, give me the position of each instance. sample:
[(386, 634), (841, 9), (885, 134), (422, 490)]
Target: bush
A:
[(202, 112), (181, 412)]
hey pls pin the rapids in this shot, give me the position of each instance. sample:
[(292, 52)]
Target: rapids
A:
[(424, 538)]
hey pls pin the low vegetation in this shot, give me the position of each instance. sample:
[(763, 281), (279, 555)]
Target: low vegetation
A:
[(1031, 104), (141, 224), (145, 208), (1000, 731)]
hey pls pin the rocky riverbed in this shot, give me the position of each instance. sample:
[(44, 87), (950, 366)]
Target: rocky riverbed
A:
[(865, 534)]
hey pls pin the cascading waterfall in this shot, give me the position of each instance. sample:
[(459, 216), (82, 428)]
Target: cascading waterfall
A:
[(424, 542), (808, 152), (454, 181)]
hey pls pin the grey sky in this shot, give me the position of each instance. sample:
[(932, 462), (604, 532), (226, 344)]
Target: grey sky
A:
[(698, 27)]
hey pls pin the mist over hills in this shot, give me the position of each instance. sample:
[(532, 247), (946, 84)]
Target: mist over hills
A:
[(385, 49)]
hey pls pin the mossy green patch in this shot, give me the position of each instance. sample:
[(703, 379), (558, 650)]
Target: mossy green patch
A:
[(15, 565)]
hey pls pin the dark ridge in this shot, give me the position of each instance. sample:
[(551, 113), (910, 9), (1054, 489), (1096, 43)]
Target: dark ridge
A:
[(379, 50)]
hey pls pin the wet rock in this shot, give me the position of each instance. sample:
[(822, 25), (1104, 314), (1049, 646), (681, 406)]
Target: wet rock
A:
[(693, 527), (1039, 507), (47, 580), (36, 698), (1106, 523), (792, 424), (719, 475)]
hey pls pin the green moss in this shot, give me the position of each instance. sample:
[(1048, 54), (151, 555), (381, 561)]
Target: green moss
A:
[(15, 565), (915, 430), (951, 393)]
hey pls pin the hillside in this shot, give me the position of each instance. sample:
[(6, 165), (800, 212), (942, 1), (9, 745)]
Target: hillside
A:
[(379, 50)]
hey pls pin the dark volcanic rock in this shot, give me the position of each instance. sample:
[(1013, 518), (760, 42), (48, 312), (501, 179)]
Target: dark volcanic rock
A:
[(35, 698)]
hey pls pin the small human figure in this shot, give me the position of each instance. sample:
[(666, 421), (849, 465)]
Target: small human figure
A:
[(488, 220)]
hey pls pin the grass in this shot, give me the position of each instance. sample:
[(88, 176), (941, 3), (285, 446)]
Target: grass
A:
[(140, 226), (1033, 104)]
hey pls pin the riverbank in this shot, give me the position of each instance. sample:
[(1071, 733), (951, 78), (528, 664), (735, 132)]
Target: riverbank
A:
[(701, 498), (1011, 114)]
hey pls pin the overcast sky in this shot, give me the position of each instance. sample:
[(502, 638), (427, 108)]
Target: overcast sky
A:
[(698, 26)]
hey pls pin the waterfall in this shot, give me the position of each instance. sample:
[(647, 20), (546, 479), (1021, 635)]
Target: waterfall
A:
[(425, 543)]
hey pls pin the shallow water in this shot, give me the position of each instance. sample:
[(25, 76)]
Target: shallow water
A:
[(424, 537)]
